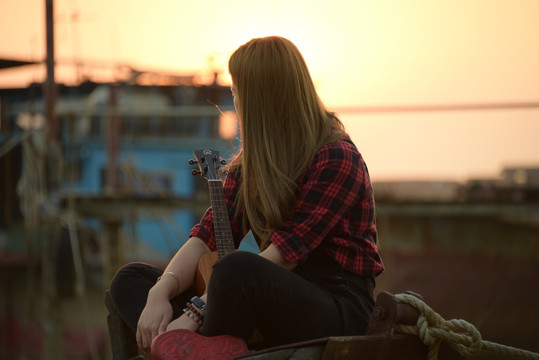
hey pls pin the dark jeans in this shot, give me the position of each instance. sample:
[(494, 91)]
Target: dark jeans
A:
[(247, 292)]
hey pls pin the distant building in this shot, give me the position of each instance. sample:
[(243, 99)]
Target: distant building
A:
[(514, 184), (520, 176), (149, 130), (417, 191)]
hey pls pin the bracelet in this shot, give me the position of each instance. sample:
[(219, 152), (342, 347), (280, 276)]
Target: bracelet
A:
[(193, 316), (175, 277), (195, 311)]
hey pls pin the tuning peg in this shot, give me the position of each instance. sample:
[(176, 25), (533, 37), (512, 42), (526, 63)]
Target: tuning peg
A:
[(196, 172), (192, 162)]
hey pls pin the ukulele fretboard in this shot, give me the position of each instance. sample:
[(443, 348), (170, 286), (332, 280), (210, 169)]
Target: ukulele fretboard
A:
[(221, 223)]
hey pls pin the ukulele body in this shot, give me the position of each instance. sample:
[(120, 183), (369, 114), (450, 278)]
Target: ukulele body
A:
[(204, 270)]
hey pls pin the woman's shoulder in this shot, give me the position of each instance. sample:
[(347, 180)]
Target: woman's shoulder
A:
[(339, 148), (335, 155)]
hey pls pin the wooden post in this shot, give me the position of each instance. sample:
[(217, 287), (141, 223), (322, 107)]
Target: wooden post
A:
[(50, 304), (113, 248), (112, 138)]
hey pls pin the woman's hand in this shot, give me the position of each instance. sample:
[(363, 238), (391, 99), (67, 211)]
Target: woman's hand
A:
[(154, 319)]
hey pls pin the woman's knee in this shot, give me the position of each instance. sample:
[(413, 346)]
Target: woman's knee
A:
[(239, 267), (128, 276), (238, 262)]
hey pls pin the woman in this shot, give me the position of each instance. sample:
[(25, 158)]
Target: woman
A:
[(301, 186)]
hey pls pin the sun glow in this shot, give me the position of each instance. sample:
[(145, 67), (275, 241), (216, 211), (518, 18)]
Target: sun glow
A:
[(359, 53), (228, 125)]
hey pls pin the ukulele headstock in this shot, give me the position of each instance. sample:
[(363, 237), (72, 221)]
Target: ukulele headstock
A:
[(208, 162)]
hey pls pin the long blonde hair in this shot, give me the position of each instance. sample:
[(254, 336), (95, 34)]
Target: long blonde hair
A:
[(283, 124)]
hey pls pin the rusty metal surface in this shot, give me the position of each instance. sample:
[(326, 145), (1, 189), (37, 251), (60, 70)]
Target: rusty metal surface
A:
[(383, 315), (311, 349), (375, 347), (380, 343), (387, 312), (297, 353)]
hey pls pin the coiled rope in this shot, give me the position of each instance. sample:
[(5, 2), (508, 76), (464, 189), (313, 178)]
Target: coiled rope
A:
[(462, 336)]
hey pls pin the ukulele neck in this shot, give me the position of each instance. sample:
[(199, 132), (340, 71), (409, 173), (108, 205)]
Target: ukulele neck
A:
[(221, 223)]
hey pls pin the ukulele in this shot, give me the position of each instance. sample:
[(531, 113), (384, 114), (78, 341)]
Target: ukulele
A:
[(208, 165)]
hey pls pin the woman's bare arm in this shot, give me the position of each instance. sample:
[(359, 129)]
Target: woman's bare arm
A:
[(157, 313)]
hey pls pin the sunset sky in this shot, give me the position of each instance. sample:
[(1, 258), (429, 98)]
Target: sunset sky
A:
[(360, 53)]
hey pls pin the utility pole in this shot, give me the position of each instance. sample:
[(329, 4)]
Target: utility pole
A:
[(52, 161), (50, 85), (52, 136)]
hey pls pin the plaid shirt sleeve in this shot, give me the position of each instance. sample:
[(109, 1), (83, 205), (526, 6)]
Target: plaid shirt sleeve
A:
[(335, 209)]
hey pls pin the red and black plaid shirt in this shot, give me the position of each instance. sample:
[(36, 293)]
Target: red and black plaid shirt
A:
[(335, 210)]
